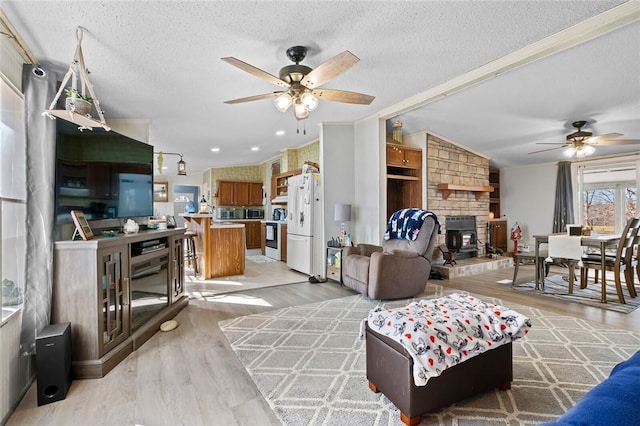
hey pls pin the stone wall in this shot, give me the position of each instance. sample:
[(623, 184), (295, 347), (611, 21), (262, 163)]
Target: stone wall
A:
[(449, 163)]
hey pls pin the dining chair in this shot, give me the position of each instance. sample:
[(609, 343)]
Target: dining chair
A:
[(622, 262)]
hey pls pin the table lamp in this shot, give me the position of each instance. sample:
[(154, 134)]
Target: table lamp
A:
[(342, 214)]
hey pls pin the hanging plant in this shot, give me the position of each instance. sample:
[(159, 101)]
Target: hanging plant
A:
[(79, 95)]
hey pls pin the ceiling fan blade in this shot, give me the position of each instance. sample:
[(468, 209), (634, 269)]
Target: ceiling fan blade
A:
[(597, 139), (343, 96), (255, 71), (549, 149), (551, 143), (253, 98), (617, 142), (329, 69)]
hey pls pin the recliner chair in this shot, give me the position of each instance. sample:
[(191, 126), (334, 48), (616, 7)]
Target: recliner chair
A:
[(397, 269)]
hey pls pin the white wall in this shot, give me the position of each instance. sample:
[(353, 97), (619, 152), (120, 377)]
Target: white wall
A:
[(164, 209), (369, 181), (527, 196), (338, 176)]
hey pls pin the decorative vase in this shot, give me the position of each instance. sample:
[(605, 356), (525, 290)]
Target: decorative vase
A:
[(130, 227), (78, 105)]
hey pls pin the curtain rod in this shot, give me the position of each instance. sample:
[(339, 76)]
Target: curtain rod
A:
[(9, 30)]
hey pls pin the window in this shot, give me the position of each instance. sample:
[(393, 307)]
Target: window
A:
[(12, 199), (608, 195)]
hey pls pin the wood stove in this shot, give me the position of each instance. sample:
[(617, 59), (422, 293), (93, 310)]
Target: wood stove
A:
[(462, 236)]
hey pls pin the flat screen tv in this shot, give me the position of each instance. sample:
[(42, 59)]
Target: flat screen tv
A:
[(104, 174)]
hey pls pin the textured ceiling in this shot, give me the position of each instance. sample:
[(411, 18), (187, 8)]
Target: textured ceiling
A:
[(160, 60)]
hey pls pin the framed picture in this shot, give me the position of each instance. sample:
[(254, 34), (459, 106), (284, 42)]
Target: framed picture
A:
[(160, 192), (82, 226)]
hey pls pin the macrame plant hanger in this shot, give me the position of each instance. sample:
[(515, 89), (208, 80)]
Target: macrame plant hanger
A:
[(77, 69)]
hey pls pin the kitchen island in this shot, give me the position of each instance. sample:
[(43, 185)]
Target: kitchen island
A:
[(219, 245)]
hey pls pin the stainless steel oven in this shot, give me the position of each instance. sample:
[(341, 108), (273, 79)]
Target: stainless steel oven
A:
[(272, 240)]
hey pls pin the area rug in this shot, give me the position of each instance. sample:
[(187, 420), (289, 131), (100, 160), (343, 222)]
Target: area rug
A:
[(557, 286), (309, 364), (259, 258)]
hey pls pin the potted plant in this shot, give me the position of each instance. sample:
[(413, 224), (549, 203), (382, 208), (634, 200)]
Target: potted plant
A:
[(81, 104)]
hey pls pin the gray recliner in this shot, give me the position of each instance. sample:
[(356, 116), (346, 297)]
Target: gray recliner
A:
[(397, 269)]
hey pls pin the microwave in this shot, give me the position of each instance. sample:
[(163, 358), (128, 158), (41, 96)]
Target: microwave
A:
[(254, 214), (227, 213)]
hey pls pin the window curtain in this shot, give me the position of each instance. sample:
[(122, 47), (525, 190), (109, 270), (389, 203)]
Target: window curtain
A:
[(39, 88), (563, 211)]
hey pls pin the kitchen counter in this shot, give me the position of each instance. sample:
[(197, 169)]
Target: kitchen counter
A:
[(219, 245)]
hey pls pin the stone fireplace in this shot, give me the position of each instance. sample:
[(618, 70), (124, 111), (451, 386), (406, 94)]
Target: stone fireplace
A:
[(463, 214), (461, 236)]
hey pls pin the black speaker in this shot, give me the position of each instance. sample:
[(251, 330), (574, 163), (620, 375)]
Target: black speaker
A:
[(53, 362)]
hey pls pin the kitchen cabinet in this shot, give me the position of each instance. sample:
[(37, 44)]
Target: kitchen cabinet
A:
[(498, 233), (239, 193), (98, 288), (255, 194), (404, 178), (252, 234), (279, 183), (283, 242)]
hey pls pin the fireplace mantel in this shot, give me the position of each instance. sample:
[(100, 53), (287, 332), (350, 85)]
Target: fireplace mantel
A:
[(448, 188)]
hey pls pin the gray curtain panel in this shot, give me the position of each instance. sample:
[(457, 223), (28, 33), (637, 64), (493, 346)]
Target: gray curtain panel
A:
[(563, 212), (39, 87)]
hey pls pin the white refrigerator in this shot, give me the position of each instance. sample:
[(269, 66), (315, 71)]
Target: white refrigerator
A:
[(305, 248)]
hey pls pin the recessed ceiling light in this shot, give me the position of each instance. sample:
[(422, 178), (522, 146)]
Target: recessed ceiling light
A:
[(215, 149), (279, 132), (255, 148), (165, 167)]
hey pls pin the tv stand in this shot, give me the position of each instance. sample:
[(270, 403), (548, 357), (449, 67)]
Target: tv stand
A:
[(116, 292)]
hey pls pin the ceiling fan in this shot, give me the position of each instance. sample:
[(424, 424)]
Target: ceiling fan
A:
[(301, 83), (582, 143)]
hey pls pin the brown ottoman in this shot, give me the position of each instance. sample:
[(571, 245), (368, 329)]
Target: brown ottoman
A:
[(390, 371)]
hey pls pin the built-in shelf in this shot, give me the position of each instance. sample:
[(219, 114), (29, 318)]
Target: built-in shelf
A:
[(448, 188), (403, 177)]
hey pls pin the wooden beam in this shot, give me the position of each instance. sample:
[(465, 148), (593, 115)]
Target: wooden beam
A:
[(448, 188)]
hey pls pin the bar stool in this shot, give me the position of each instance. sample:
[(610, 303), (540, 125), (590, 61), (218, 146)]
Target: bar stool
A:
[(190, 250)]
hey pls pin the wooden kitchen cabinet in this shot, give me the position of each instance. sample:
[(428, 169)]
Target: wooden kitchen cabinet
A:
[(226, 193), (255, 194), (239, 193), (252, 234), (498, 233), (279, 183)]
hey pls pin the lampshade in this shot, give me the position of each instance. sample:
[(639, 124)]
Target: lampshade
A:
[(309, 101), (342, 213), (283, 102), (301, 112)]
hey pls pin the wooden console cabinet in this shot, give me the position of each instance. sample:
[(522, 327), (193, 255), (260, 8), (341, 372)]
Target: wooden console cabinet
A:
[(116, 292)]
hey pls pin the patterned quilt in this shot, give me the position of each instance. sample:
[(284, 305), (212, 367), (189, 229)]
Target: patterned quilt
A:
[(405, 224), (440, 333)]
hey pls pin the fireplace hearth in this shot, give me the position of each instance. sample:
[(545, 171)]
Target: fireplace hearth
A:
[(462, 236)]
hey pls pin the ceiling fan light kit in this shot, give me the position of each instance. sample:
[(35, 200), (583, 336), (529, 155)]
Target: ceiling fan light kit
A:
[(582, 143), (301, 81)]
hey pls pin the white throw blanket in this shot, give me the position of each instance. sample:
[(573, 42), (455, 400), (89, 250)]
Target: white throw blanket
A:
[(440, 333)]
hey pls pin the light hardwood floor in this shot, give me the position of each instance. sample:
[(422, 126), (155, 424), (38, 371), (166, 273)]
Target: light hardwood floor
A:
[(191, 376)]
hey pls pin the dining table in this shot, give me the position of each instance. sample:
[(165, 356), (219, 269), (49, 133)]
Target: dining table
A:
[(600, 241)]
